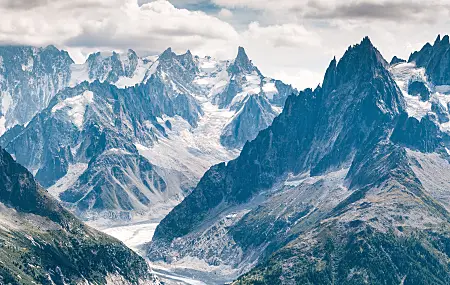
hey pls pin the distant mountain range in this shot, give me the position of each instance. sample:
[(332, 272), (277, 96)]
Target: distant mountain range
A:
[(122, 137), (349, 185)]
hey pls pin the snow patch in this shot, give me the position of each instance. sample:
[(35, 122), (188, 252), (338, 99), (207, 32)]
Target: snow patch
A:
[(2, 125), (443, 89), (213, 76), (79, 73), (6, 102), (142, 70), (117, 151), (29, 65), (76, 107), (404, 73), (73, 173), (270, 90), (134, 236)]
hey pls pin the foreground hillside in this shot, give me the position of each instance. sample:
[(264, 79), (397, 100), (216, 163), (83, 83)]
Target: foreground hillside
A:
[(41, 243)]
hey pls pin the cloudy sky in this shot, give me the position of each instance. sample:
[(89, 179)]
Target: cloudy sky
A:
[(292, 40)]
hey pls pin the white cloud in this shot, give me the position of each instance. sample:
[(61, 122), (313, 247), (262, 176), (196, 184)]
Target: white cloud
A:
[(286, 35), (300, 78), (225, 13), (116, 24)]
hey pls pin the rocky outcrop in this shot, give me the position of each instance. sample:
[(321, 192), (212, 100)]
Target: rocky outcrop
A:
[(435, 59), (418, 88), (255, 114), (396, 60)]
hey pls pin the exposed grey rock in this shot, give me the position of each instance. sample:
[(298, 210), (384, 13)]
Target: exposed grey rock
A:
[(254, 115), (435, 59), (396, 60), (29, 78), (418, 88)]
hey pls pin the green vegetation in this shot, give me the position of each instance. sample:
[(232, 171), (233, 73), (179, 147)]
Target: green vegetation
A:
[(359, 257)]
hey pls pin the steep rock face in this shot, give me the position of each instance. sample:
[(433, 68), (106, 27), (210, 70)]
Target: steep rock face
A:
[(111, 68), (435, 59), (95, 125), (318, 130), (423, 135), (256, 113), (171, 87), (116, 180), (29, 78), (40, 242), (362, 239)]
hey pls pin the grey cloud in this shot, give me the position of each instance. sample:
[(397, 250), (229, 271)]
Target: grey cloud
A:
[(400, 11), (22, 4), (17, 5)]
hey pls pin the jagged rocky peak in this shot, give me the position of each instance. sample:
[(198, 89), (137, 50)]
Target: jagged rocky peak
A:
[(435, 59), (444, 42), (110, 67), (186, 59), (167, 54), (188, 65), (396, 60), (360, 60), (329, 81), (363, 63), (132, 54), (242, 64)]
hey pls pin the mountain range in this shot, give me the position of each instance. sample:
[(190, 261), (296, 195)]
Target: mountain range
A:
[(346, 183), (349, 185), (125, 137)]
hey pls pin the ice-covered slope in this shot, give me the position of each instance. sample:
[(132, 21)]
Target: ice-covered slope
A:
[(122, 70), (421, 95), (29, 78), (114, 151), (42, 243)]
